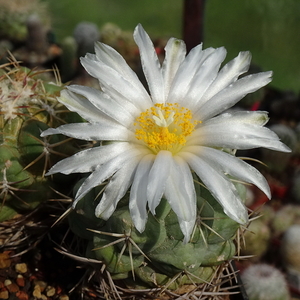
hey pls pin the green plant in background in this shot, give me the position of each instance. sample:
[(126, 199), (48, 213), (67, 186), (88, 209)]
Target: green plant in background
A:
[(14, 16), (28, 106), (175, 150)]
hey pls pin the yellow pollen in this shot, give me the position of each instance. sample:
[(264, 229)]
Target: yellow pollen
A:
[(165, 127)]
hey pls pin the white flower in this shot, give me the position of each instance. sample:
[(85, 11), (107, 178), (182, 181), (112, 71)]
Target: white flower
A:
[(156, 140)]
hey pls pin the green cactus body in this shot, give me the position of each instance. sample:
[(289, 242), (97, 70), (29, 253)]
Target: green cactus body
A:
[(156, 257), (28, 106)]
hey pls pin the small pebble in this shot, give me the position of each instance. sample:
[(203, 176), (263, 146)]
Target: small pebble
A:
[(20, 280), (50, 291), (4, 294), (21, 295), (37, 292), (13, 288), (21, 268), (64, 297), (7, 282)]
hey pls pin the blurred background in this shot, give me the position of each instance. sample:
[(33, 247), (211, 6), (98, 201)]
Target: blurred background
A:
[(269, 29)]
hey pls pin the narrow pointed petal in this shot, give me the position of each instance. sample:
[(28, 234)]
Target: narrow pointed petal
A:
[(220, 187), (80, 105), (186, 72), (180, 190), (150, 64), (175, 54), (138, 193), (93, 132), (187, 229), (181, 195), (115, 85), (105, 171), (232, 165), (116, 188), (110, 57), (237, 131), (204, 77), (123, 114), (158, 176), (229, 96), (87, 160), (228, 74)]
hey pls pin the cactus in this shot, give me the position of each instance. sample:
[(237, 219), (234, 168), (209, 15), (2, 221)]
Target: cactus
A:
[(28, 106), (157, 257), (290, 247), (14, 15), (257, 239), (265, 282)]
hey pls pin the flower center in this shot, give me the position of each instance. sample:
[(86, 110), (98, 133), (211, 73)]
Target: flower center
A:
[(165, 127)]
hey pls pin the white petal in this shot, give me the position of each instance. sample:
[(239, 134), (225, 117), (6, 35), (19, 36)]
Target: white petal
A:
[(229, 96), (186, 73), (113, 84), (105, 171), (150, 64), (228, 74), (80, 105), (116, 188), (220, 187), (204, 77), (158, 176), (175, 54), (93, 132), (244, 136), (232, 165), (110, 57), (124, 114), (87, 160), (236, 131), (187, 229), (138, 193), (180, 193)]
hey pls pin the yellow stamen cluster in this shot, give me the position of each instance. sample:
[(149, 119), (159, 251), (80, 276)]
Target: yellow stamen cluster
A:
[(165, 127)]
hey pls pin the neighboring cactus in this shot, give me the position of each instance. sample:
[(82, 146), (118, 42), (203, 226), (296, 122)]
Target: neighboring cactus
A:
[(257, 239), (28, 106), (285, 217), (290, 247), (14, 15), (264, 282), (157, 257)]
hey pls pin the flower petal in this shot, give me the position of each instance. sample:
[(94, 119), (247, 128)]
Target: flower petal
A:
[(232, 165), (123, 114), (87, 160), (138, 193), (80, 105), (115, 85), (240, 130), (204, 77), (229, 96), (220, 187), (93, 132), (105, 171), (186, 73), (175, 54), (151, 65), (158, 176), (117, 188), (110, 57), (181, 195), (228, 74)]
